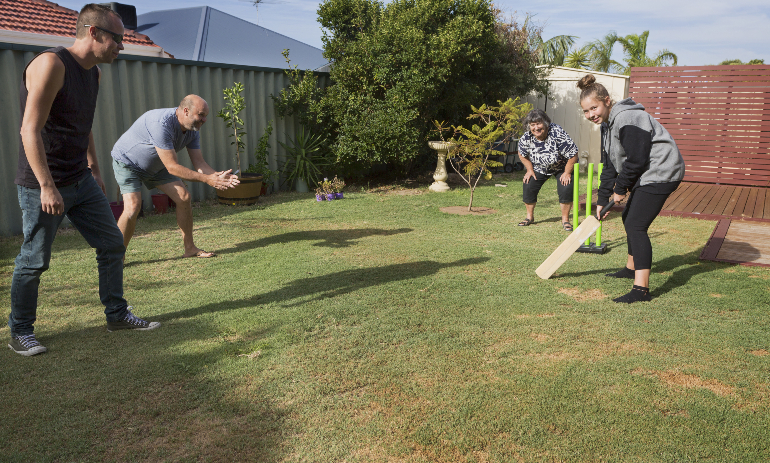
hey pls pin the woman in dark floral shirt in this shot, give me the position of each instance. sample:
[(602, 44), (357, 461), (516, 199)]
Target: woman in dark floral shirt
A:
[(546, 149)]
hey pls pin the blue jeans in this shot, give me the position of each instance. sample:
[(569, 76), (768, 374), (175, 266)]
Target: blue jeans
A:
[(89, 211)]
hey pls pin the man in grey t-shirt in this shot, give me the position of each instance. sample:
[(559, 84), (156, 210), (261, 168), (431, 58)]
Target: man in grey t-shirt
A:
[(146, 154)]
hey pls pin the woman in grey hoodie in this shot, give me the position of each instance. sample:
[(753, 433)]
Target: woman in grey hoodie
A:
[(640, 157)]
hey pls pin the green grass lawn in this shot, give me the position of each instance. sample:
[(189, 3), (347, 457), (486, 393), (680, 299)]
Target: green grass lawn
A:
[(379, 329)]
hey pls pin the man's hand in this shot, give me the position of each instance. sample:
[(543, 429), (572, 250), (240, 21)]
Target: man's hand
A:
[(566, 178), (530, 174), (51, 201), (223, 180), (100, 182)]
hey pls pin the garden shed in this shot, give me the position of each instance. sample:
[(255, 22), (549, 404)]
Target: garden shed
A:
[(562, 104)]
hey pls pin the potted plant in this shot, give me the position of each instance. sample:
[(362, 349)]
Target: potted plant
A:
[(320, 194), (324, 191), (248, 190), (337, 186), (261, 165), (304, 160)]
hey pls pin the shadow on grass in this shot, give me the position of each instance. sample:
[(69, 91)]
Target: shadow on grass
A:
[(304, 290), (326, 238), (164, 403), (683, 267)]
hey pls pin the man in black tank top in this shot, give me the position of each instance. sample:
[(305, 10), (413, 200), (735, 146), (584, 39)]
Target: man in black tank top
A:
[(59, 175)]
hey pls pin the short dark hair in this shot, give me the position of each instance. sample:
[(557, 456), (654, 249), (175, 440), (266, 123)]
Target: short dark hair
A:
[(94, 14), (536, 115)]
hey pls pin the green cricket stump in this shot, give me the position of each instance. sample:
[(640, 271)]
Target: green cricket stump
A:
[(597, 247)]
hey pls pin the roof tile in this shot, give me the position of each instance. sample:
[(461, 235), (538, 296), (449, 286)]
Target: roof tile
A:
[(48, 18)]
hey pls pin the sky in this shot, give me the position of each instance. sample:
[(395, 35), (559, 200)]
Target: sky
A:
[(699, 32)]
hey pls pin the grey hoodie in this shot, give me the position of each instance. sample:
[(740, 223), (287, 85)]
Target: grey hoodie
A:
[(636, 150)]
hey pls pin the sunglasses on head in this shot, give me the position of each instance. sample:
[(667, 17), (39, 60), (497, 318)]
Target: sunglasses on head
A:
[(118, 38)]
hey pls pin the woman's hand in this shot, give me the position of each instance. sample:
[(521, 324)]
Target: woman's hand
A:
[(530, 174)]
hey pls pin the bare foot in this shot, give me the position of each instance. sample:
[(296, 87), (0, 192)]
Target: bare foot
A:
[(200, 253)]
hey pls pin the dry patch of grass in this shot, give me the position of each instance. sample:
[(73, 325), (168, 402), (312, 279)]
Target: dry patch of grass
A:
[(583, 296), (553, 356), (759, 352), (618, 348), (398, 191), (675, 378), (463, 210)]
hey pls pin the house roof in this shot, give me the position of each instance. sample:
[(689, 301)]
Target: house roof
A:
[(48, 18), (206, 34)]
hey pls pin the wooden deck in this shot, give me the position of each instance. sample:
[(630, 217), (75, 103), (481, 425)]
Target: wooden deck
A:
[(714, 202), (711, 202)]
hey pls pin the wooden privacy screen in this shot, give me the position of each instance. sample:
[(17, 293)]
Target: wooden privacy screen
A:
[(718, 115)]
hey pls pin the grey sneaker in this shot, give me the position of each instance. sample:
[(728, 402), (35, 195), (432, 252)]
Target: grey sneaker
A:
[(26, 345), (131, 322)]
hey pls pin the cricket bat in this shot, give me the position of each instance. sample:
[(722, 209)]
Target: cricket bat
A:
[(570, 245)]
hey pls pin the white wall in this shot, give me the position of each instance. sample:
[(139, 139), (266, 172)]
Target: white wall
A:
[(563, 106)]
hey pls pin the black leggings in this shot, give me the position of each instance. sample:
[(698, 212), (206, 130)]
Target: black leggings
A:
[(644, 204)]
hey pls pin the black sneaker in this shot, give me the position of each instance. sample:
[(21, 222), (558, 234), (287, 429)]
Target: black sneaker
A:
[(131, 322), (26, 345)]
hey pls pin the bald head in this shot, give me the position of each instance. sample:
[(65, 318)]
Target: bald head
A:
[(192, 112), (191, 101)]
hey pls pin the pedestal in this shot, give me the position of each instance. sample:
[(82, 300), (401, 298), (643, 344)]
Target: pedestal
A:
[(440, 175)]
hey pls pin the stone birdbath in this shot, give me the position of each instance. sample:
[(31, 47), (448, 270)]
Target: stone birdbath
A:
[(440, 176)]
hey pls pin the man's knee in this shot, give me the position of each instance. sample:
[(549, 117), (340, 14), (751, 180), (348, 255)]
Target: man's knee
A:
[(132, 205), (184, 195)]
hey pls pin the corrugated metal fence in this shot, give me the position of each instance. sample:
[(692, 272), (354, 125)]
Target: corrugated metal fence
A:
[(129, 87)]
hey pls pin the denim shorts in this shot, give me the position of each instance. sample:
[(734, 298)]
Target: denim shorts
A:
[(130, 180)]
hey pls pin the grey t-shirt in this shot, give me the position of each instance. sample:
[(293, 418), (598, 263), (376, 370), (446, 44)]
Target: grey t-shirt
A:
[(158, 127)]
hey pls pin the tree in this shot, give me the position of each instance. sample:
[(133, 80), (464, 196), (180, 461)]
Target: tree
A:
[(737, 62), (398, 67), (601, 53), (472, 146), (635, 51), (554, 50), (579, 58)]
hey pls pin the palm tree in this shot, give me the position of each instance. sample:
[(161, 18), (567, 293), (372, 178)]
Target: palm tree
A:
[(601, 53), (554, 50), (635, 50), (580, 58)]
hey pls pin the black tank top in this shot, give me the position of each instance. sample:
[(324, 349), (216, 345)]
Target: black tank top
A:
[(65, 134)]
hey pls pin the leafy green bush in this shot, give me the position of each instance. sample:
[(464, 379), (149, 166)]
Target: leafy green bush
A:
[(397, 67)]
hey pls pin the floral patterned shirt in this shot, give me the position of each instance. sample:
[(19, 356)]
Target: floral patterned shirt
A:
[(549, 156)]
